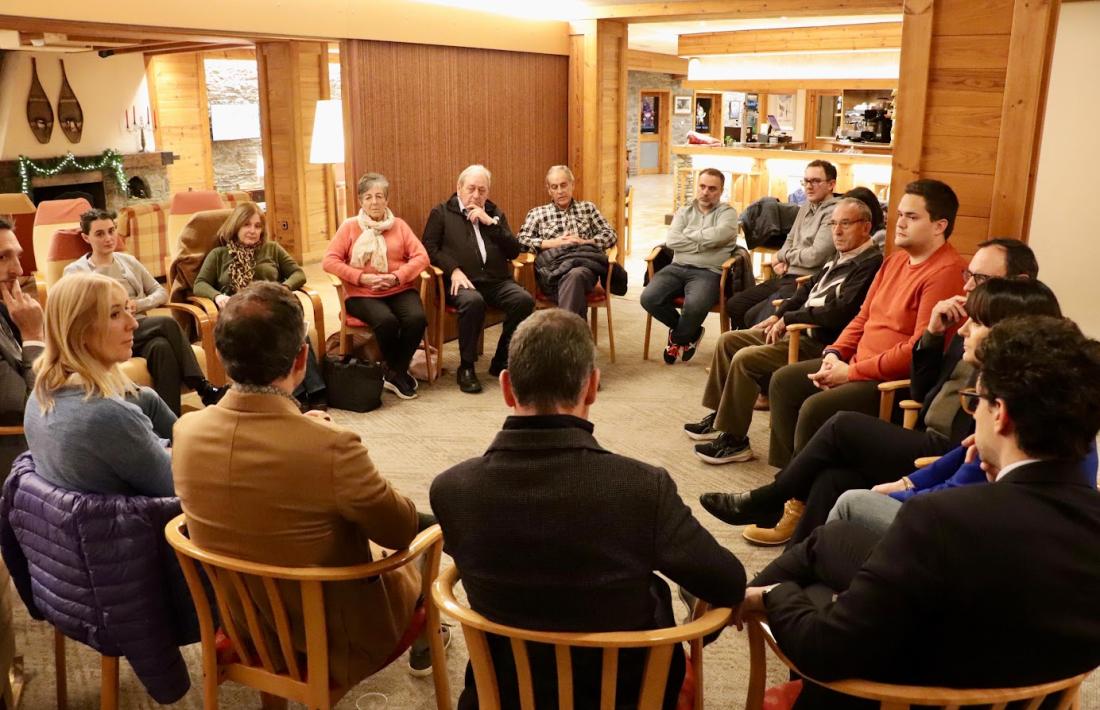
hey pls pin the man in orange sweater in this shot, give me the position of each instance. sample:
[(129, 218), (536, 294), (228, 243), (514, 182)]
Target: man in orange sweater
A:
[(877, 344)]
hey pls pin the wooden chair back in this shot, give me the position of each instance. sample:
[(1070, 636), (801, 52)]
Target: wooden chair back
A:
[(902, 697), (278, 668), (659, 642)]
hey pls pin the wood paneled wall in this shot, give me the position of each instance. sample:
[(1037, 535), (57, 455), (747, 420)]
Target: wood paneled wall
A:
[(292, 77), (419, 114), (969, 106), (177, 93)]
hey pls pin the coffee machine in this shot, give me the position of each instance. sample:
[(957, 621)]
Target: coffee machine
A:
[(878, 126)]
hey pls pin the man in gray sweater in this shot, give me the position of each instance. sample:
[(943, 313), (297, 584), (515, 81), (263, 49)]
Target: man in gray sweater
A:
[(808, 247), (701, 237)]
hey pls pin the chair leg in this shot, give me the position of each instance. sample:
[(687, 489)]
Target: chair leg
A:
[(648, 328), (757, 668), (610, 331), (593, 314), (108, 683), (428, 358), (62, 679)]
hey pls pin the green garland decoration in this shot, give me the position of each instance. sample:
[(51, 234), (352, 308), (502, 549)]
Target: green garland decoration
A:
[(68, 163)]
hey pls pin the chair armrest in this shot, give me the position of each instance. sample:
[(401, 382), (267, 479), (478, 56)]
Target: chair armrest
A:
[(204, 327), (649, 259), (893, 386), (11, 430), (205, 304), (40, 288), (778, 302), (334, 280), (803, 279), (925, 461), (798, 327), (911, 410), (612, 253), (887, 392), (318, 314), (910, 405)]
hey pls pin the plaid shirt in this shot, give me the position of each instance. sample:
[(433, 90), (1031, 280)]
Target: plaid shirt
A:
[(581, 218)]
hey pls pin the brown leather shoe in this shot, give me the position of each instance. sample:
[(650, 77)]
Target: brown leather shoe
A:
[(783, 530), (761, 404)]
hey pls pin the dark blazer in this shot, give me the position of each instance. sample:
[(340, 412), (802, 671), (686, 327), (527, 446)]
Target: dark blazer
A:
[(16, 382), (930, 368), (979, 587), (451, 243), (841, 305), (552, 532)]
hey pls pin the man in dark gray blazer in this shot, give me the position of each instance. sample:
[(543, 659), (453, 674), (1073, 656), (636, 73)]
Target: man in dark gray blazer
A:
[(552, 532), (21, 336), (982, 586)]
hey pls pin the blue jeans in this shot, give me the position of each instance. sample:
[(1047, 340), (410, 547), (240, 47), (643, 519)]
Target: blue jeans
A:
[(698, 286)]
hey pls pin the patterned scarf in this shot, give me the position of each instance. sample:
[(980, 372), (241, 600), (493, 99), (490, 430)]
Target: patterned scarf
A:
[(370, 247), (242, 264)]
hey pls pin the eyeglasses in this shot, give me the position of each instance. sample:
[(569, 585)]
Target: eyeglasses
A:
[(979, 279), (807, 182), (844, 223), (969, 398)]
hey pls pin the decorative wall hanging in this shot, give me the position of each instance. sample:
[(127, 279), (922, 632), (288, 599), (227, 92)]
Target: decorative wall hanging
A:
[(68, 163), (39, 111), (69, 113)]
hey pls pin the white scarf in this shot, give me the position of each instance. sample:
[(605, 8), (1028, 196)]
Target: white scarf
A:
[(370, 246)]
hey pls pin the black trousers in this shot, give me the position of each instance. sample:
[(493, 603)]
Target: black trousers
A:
[(506, 295), (398, 322), (169, 356), (753, 305), (851, 450)]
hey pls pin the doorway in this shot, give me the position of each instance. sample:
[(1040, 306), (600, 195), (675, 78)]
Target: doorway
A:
[(653, 131)]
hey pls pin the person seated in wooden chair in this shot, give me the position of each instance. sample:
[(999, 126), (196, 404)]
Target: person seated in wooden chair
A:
[(379, 260), (158, 339), (251, 488), (552, 532), (967, 583), (743, 358), (577, 232)]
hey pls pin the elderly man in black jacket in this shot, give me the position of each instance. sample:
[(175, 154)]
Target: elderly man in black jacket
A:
[(973, 587), (570, 237), (550, 531), (469, 239)]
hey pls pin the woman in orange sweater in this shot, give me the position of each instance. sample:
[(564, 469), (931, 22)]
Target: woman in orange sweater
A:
[(379, 259)]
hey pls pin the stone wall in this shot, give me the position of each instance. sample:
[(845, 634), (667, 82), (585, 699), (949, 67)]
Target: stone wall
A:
[(234, 81), (638, 81)]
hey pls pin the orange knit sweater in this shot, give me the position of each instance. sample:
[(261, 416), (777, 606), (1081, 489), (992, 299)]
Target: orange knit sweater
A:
[(406, 255), (878, 342)]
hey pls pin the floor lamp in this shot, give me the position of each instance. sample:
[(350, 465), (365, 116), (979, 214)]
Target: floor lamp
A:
[(327, 148)]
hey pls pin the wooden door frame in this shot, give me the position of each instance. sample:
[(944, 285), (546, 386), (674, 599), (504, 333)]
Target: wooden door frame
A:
[(717, 115), (664, 127)]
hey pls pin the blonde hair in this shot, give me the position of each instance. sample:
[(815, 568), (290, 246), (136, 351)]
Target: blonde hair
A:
[(79, 305), (237, 219)]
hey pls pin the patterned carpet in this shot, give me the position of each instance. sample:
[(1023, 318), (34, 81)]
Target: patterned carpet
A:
[(639, 413)]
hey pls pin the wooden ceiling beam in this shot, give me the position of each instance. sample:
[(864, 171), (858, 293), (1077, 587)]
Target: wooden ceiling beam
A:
[(134, 33), (664, 11), (776, 86), (878, 35), (149, 48), (194, 48), (638, 60)]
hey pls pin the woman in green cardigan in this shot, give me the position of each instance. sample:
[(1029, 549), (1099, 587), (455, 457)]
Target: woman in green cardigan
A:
[(246, 255)]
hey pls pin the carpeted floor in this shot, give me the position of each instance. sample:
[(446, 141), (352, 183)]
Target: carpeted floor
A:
[(639, 413)]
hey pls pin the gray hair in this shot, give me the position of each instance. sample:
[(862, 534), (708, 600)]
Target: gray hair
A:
[(550, 359), (475, 168), (369, 179), (860, 205), (563, 168)]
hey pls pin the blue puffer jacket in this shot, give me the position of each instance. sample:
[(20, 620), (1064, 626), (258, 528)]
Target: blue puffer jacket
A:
[(98, 568)]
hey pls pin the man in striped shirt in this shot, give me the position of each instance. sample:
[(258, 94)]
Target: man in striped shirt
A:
[(566, 223)]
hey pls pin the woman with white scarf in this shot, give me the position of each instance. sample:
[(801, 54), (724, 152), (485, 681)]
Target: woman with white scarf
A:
[(379, 259)]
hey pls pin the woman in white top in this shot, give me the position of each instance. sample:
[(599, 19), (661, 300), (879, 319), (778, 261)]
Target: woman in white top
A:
[(158, 339)]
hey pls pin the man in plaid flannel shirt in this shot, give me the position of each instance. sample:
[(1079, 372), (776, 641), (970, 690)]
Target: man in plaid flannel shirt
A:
[(566, 222)]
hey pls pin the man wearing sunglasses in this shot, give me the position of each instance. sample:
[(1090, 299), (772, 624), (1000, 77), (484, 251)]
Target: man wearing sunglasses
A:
[(967, 583), (808, 247)]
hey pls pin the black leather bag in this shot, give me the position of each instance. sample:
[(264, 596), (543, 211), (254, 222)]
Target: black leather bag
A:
[(353, 384)]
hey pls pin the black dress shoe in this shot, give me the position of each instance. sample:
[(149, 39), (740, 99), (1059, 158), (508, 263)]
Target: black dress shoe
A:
[(467, 380), (210, 394), (496, 367), (736, 509)]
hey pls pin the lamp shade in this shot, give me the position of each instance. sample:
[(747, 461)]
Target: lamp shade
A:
[(327, 145)]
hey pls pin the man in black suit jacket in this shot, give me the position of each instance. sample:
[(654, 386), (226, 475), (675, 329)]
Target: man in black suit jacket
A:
[(979, 586), (470, 241), (21, 336), (552, 532)]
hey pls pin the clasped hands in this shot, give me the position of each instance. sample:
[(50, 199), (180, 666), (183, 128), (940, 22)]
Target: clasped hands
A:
[(774, 328), (564, 240), (833, 373), (379, 282)]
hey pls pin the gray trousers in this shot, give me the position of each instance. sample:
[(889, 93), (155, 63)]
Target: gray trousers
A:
[(867, 509), (573, 290), (740, 362)]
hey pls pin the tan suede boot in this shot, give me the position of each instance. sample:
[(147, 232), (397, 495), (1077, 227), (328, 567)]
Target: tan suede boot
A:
[(783, 530)]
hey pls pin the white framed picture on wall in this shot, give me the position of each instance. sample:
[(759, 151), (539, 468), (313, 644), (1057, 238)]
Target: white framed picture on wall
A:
[(681, 104)]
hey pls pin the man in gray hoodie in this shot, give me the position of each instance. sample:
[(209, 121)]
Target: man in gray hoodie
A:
[(701, 237)]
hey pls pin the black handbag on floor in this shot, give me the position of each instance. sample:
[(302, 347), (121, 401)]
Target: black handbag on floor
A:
[(353, 384)]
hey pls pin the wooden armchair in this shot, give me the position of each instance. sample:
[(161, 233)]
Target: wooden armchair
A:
[(659, 642), (283, 671), (719, 308), (600, 296), (902, 697), (349, 324)]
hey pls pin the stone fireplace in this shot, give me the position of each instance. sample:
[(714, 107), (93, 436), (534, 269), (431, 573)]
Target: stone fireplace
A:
[(101, 185)]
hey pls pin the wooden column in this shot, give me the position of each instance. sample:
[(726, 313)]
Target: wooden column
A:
[(597, 115), (292, 77)]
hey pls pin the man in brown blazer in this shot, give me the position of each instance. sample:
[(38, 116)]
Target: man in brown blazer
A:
[(260, 481)]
